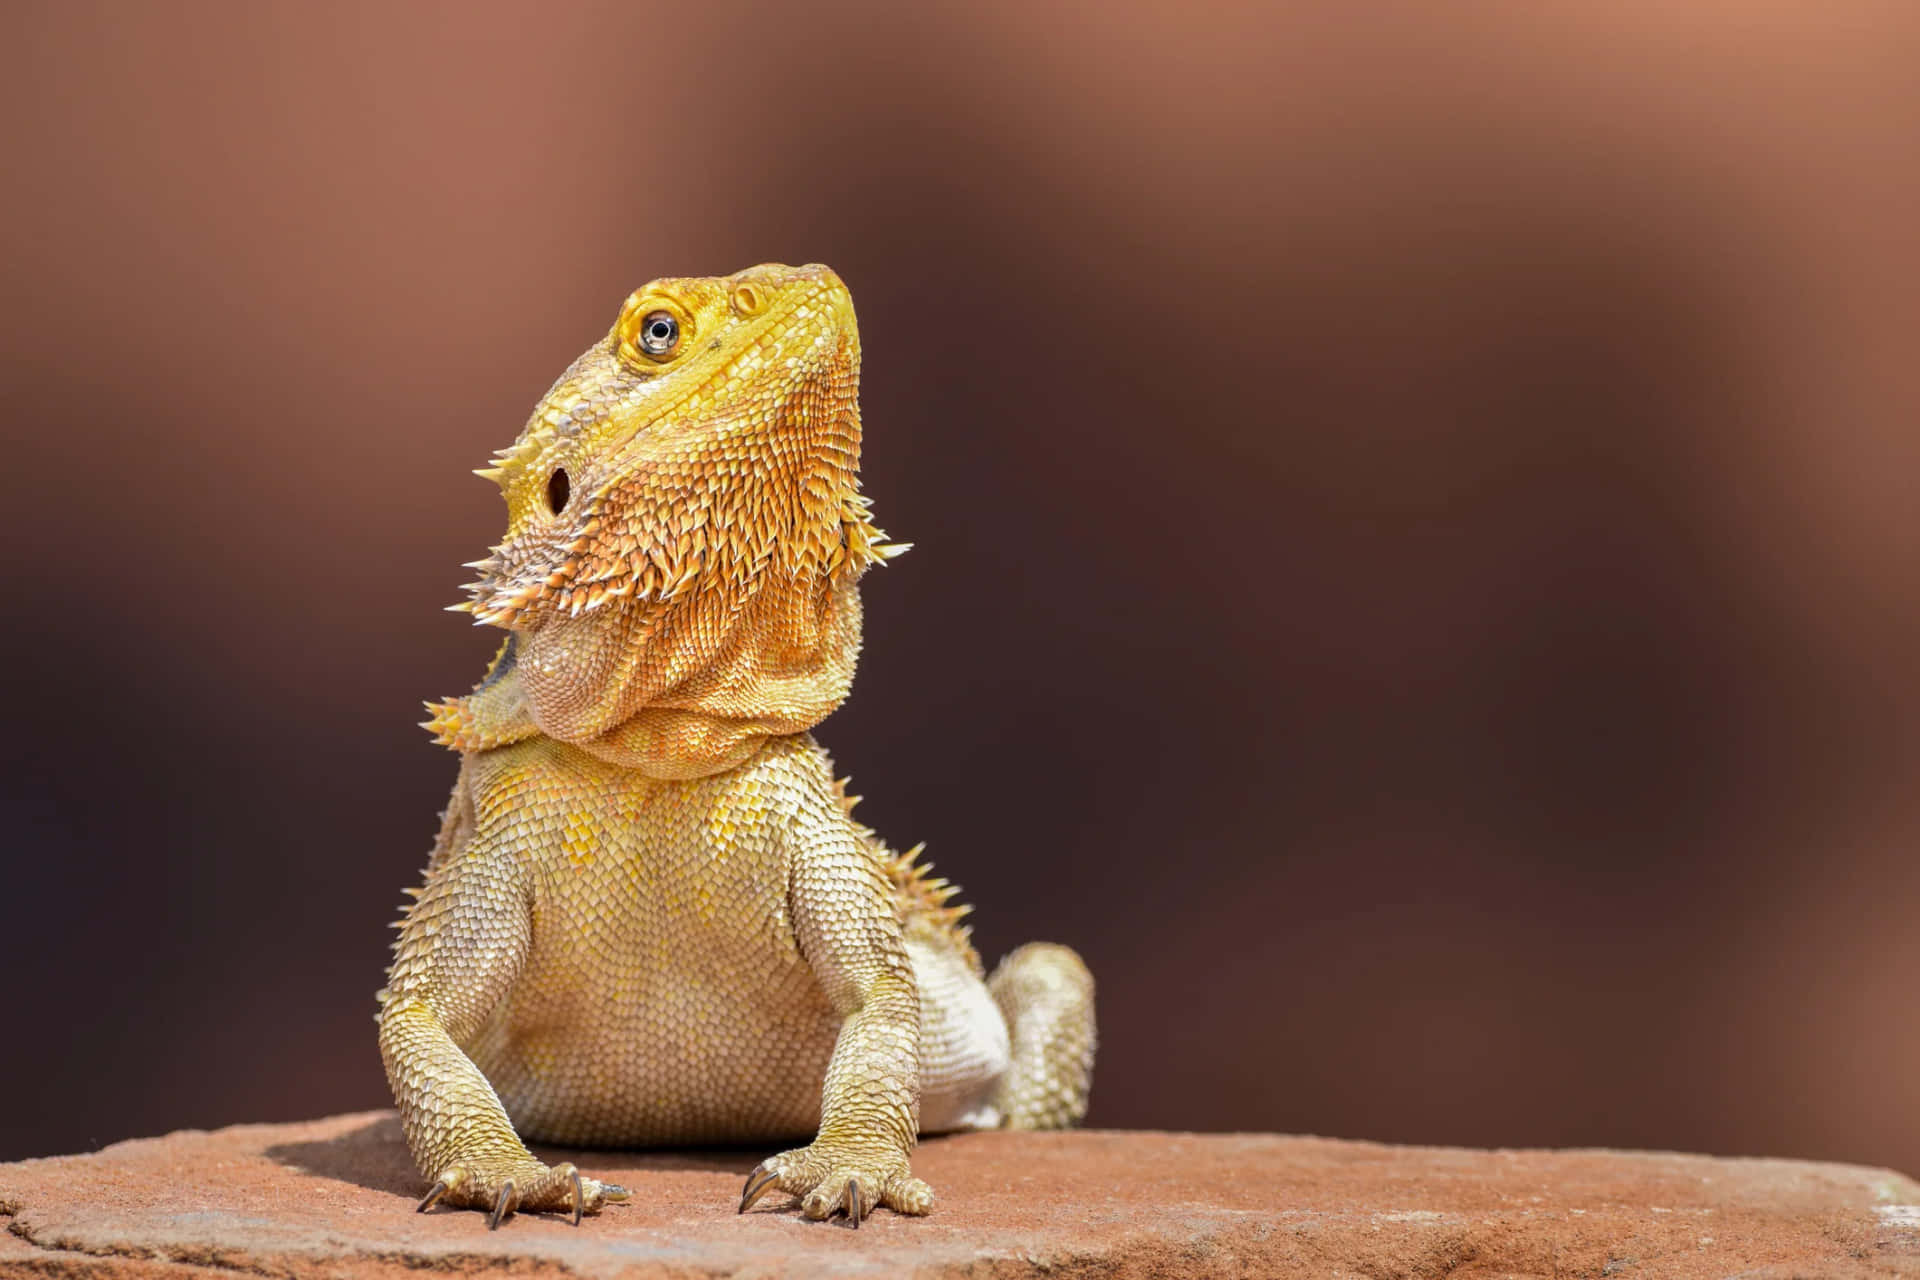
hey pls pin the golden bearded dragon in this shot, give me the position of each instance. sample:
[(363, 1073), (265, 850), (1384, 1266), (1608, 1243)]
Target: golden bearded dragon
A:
[(650, 917)]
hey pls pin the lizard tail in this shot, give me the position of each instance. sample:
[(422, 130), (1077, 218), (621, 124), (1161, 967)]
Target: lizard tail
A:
[(1045, 993)]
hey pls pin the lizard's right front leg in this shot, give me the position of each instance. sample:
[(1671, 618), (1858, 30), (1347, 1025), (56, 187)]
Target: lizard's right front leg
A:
[(460, 949)]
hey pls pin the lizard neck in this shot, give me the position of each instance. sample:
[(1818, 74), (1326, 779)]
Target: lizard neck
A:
[(671, 744), (695, 699)]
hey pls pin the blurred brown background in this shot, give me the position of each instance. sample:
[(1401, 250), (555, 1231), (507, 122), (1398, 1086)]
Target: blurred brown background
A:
[(1418, 562)]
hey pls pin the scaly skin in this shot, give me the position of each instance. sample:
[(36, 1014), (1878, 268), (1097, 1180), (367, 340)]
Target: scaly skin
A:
[(650, 917)]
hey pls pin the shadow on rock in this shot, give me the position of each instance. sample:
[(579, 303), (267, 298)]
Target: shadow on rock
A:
[(609, 1164), (375, 1156)]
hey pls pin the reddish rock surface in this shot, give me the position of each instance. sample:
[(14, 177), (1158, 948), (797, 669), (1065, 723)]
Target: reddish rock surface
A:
[(334, 1198)]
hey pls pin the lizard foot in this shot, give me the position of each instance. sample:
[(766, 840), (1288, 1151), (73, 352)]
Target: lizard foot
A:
[(829, 1179), (525, 1186)]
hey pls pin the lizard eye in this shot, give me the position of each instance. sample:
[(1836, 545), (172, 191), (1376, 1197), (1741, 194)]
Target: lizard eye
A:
[(659, 333), (559, 489)]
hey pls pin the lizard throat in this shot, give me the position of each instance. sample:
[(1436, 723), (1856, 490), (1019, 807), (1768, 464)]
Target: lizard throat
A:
[(689, 694)]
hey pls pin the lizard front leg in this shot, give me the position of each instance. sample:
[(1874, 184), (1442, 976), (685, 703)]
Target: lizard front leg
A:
[(843, 919), (460, 949)]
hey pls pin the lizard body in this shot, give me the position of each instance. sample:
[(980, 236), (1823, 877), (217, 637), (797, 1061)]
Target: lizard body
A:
[(650, 916)]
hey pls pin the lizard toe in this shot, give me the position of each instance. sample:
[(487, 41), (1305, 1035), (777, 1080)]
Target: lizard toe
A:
[(830, 1183), (907, 1194), (524, 1186)]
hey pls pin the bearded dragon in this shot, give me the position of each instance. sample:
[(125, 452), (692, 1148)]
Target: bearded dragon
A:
[(650, 917)]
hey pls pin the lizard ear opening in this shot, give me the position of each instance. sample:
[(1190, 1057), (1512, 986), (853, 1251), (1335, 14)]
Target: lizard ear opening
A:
[(559, 490)]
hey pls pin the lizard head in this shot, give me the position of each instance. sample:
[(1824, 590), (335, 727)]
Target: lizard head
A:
[(685, 529)]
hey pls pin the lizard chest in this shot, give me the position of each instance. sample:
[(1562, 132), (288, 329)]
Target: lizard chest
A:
[(663, 996), (641, 881)]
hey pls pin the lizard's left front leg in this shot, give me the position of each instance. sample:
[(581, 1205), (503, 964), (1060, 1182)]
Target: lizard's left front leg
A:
[(842, 911)]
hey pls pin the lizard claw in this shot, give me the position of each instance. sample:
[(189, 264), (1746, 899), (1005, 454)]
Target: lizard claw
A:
[(857, 1208), (758, 1183), (502, 1205), (432, 1197), (579, 1196)]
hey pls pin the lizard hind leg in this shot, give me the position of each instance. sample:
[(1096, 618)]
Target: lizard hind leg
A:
[(964, 1050), (1045, 993)]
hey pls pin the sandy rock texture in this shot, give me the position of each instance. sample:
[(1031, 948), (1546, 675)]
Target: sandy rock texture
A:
[(335, 1197)]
